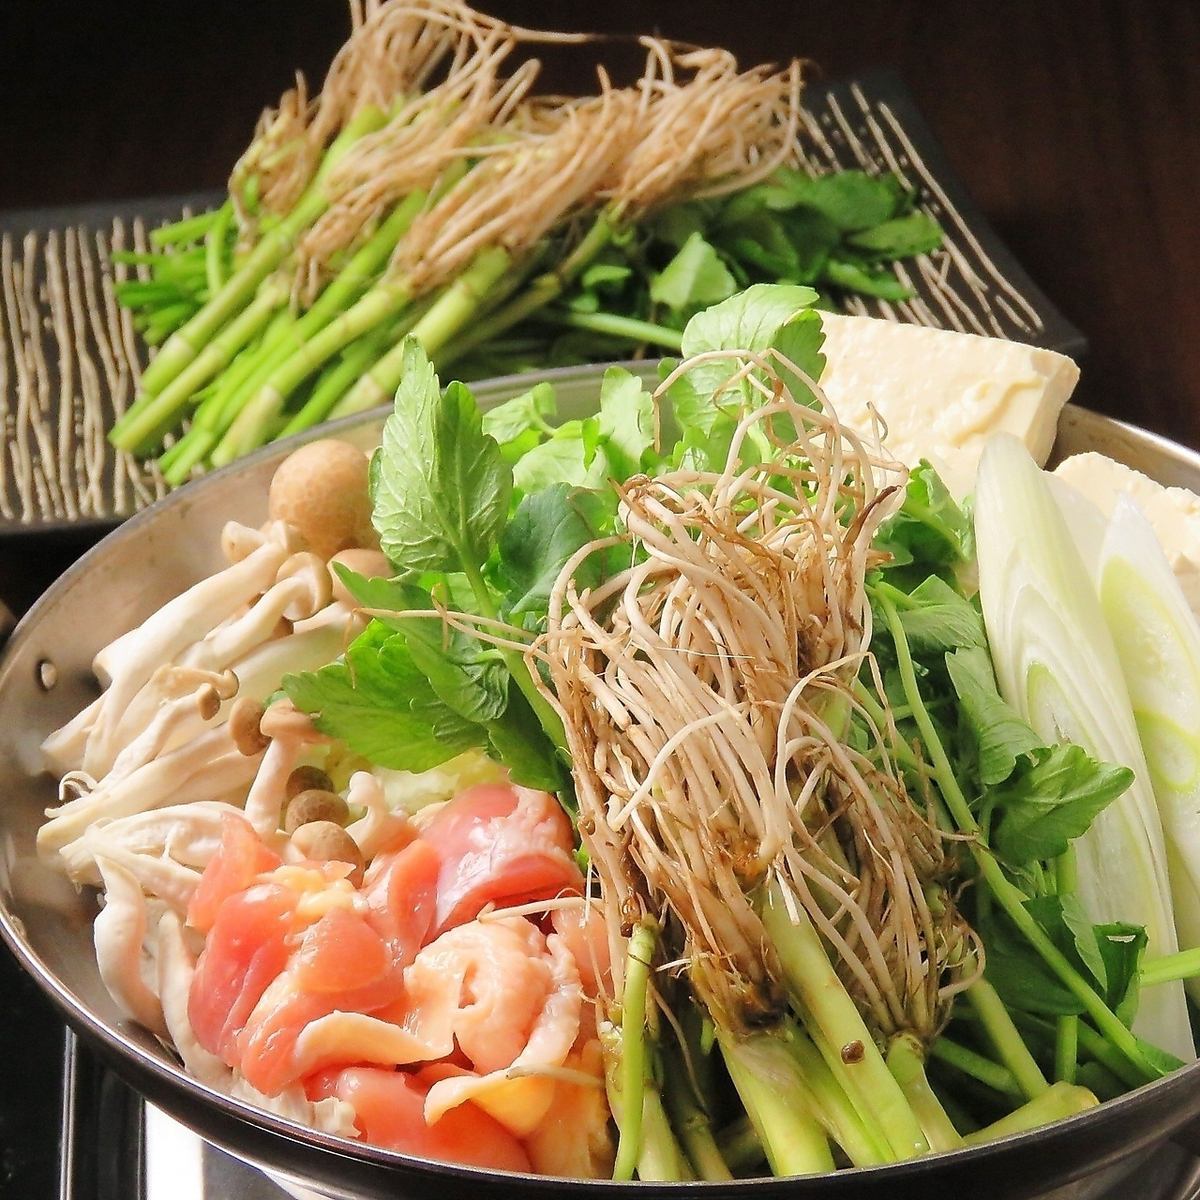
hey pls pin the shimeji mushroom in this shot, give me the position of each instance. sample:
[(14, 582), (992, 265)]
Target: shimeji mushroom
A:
[(321, 489), (120, 934), (176, 965), (131, 661), (206, 767), (289, 732), (378, 827), (171, 844)]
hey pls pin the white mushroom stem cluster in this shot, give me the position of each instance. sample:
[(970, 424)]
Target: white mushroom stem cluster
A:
[(178, 740), (706, 693)]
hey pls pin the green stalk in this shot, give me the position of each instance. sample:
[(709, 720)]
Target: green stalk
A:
[(349, 282), (380, 304), (633, 1048), (1099, 1080), (1093, 1045), (768, 1083), (692, 1125), (1006, 1039), (270, 251), (192, 448), (1066, 1039), (214, 248), (544, 711), (450, 312), (629, 329), (188, 229), (1058, 1101), (543, 290), (975, 1066), (906, 1061), (1007, 894), (862, 1144), (850, 1049), (1182, 965), (163, 410), (336, 380), (661, 1159), (740, 1146)]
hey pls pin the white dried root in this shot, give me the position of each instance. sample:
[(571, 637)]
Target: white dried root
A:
[(706, 692)]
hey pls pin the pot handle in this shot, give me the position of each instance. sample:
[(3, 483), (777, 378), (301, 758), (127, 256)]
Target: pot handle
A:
[(7, 622)]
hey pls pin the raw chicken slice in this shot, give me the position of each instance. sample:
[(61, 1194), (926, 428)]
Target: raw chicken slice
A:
[(500, 845), (389, 1108), (516, 1093), (235, 866), (482, 984), (401, 892), (247, 948), (573, 1139)]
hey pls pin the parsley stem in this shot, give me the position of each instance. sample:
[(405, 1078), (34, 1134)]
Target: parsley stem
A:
[(543, 709), (1066, 1036), (631, 329), (633, 1049), (980, 1068), (1183, 965), (1006, 1040), (1007, 894)]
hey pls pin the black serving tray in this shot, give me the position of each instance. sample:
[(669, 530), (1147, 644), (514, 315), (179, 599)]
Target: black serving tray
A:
[(59, 474)]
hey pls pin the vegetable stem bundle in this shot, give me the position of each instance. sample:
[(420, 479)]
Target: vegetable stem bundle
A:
[(427, 168)]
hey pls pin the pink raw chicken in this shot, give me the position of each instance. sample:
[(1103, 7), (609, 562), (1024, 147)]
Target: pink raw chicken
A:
[(511, 1000), (500, 845), (388, 1110)]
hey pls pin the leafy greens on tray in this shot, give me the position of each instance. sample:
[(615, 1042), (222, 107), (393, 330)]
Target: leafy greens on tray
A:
[(429, 190)]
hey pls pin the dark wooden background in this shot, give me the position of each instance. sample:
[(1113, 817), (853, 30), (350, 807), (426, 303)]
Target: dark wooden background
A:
[(1075, 125)]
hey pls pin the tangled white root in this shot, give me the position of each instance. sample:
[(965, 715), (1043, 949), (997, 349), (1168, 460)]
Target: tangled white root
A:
[(707, 693)]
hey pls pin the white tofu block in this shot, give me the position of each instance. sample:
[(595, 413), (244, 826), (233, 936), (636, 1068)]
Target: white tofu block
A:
[(1173, 512), (941, 394)]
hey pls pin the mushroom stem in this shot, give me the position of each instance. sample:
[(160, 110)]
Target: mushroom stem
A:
[(378, 827), (164, 635), (119, 932), (176, 966), (205, 767)]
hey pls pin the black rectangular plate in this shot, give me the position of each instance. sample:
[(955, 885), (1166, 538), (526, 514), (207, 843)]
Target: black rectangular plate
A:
[(60, 325)]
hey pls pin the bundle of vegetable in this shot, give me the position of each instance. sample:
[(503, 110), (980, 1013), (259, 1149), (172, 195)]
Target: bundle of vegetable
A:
[(853, 878), (425, 190)]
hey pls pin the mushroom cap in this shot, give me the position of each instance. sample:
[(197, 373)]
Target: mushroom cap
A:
[(321, 489), (371, 564)]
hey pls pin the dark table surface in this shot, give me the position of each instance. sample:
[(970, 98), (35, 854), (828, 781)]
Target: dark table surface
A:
[(1075, 125)]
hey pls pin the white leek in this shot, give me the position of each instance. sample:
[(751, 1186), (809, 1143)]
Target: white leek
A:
[(1158, 642), (1057, 665)]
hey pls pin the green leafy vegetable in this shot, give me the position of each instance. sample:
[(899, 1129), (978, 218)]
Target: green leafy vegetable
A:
[(546, 530), (1002, 739), (695, 277), (439, 486), (930, 529), (379, 702)]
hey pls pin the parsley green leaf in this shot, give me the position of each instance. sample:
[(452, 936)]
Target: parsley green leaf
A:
[(530, 410), (931, 529), (439, 486), (1002, 738), (546, 530), (695, 277), (378, 701), (1050, 799), (914, 233), (936, 617)]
